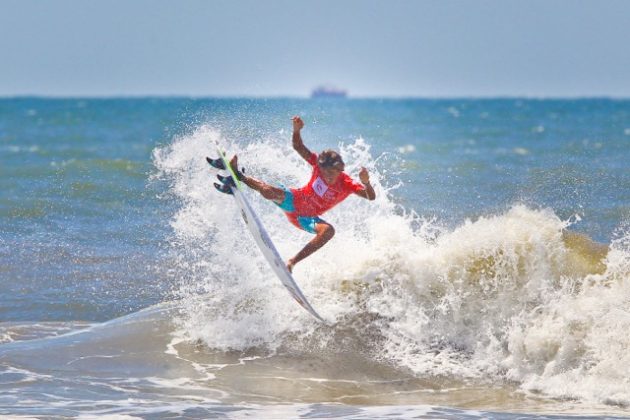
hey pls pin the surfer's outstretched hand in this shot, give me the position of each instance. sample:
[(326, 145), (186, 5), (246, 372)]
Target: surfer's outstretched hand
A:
[(364, 176)]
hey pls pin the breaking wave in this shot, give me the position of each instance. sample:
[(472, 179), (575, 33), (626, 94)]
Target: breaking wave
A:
[(513, 297)]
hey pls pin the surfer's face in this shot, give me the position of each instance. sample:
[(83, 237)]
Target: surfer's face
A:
[(330, 175)]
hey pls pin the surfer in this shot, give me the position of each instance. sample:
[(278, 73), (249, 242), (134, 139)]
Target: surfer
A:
[(329, 185)]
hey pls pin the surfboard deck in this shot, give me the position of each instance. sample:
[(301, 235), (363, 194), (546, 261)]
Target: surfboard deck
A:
[(260, 235)]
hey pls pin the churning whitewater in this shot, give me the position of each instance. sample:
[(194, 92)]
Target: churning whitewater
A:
[(511, 299)]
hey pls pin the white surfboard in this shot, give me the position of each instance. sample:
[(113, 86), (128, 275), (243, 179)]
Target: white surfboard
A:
[(262, 239)]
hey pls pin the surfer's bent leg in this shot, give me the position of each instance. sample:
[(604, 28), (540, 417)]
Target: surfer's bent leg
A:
[(268, 191), (323, 233)]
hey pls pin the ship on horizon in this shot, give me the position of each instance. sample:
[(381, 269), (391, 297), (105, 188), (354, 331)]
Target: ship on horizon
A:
[(327, 91)]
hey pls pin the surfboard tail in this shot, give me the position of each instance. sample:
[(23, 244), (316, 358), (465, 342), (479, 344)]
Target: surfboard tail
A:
[(227, 165)]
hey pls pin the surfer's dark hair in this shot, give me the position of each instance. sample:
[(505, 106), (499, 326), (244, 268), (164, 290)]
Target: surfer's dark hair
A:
[(330, 159)]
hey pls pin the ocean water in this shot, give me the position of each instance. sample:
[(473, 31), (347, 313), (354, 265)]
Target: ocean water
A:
[(489, 279)]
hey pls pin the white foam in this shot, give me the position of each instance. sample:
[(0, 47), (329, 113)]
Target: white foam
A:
[(496, 298)]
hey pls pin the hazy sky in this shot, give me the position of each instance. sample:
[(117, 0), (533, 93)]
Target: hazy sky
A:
[(259, 48)]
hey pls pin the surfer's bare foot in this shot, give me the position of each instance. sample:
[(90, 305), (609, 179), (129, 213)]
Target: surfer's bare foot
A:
[(290, 265), (234, 163)]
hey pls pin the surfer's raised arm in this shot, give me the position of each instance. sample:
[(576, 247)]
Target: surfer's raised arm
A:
[(298, 144)]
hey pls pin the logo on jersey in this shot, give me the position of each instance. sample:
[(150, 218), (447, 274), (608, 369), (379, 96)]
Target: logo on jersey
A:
[(320, 187)]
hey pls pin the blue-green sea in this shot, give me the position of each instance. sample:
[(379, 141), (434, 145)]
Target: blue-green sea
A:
[(489, 279)]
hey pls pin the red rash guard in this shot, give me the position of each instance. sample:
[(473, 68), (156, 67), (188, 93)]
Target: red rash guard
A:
[(318, 197)]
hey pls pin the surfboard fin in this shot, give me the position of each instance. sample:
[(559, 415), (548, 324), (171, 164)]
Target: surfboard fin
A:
[(227, 180), (216, 163), (225, 189)]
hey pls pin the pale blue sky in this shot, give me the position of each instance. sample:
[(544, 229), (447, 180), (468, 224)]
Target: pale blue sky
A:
[(285, 48)]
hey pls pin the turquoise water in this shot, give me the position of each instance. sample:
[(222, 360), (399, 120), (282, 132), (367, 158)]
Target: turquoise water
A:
[(105, 209)]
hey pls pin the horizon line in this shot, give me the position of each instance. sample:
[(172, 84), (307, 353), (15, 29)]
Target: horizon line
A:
[(303, 97)]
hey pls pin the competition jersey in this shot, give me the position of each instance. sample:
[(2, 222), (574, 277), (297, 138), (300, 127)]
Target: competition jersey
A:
[(317, 197)]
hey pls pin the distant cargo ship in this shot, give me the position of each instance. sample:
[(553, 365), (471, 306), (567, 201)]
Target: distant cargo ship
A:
[(328, 92)]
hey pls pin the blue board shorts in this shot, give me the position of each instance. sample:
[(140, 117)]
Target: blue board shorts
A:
[(306, 223)]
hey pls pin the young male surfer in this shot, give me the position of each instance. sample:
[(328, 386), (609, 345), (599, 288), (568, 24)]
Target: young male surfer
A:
[(329, 185)]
